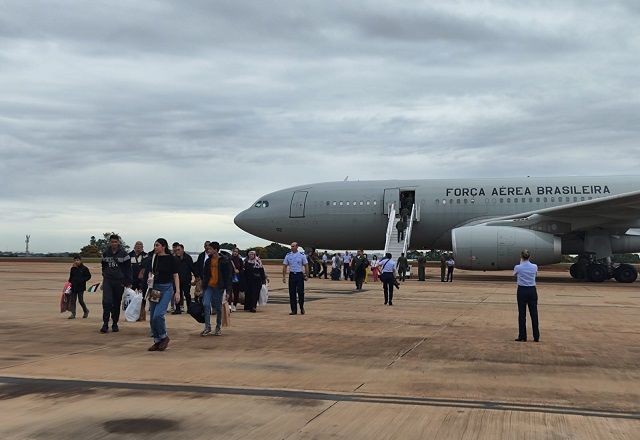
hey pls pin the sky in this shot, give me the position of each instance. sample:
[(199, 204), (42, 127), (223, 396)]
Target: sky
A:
[(167, 118)]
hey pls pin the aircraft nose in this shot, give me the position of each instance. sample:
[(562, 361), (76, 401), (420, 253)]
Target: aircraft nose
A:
[(241, 220)]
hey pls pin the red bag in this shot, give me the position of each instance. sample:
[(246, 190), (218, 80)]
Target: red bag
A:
[(65, 299)]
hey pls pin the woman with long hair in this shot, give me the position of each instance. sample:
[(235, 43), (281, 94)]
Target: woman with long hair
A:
[(255, 278), (163, 277), (375, 268)]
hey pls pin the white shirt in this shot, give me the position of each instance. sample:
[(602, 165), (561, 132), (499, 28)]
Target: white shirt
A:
[(451, 262)]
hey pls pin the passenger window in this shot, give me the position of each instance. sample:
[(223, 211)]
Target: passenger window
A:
[(575, 199), (341, 203), (545, 200), (368, 202), (530, 199), (361, 203), (375, 202), (473, 201), (508, 199), (515, 200), (335, 203), (458, 201), (437, 201), (537, 199), (328, 203), (501, 200), (466, 201), (451, 201), (553, 199), (347, 203)]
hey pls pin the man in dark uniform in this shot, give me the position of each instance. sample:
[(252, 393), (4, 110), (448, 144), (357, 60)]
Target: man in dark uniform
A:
[(400, 226), (359, 265), (422, 265), (443, 266), (403, 265)]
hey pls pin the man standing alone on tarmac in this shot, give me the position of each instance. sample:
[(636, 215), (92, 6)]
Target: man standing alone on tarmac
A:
[(403, 266), (526, 272), (297, 263), (116, 274), (443, 266)]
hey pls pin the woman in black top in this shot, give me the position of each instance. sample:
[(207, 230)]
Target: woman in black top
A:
[(162, 280), (255, 277)]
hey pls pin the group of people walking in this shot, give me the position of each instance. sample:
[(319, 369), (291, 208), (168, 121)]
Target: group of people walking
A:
[(166, 277)]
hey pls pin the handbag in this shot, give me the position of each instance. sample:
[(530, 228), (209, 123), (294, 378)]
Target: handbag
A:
[(152, 295)]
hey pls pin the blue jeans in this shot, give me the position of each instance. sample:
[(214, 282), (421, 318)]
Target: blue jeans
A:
[(215, 294), (158, 310)]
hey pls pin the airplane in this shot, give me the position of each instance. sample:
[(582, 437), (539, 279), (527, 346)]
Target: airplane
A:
[(485, 222)]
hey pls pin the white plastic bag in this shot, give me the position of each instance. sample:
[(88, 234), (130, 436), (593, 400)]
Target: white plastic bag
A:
[(132, 313), (126, 297), (264, 296)]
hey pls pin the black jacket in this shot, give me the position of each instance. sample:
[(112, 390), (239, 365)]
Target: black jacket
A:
[(199, 265), (251, 273), (225, 272), (116, 266), (186, 268), (78, 277)]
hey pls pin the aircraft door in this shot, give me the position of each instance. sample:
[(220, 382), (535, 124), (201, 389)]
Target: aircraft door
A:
[(391, 195), (297, 204)]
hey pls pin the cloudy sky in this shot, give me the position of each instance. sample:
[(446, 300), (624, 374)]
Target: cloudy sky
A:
[(167, 118)]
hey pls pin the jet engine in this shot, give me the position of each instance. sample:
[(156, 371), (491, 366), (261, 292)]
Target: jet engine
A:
[(498, 247)]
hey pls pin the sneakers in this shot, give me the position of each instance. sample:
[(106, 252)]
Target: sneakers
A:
[(85, 315), (104, 329), (162, 345), (206, 332), (218, 332)]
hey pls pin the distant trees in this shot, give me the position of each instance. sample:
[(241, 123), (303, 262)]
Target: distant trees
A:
[(96, 247)]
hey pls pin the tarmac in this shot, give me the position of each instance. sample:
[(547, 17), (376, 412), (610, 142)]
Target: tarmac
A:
[(441, 363)]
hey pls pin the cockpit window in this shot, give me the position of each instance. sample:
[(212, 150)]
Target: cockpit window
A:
[(262, 204), (265, 204), (258, 205)]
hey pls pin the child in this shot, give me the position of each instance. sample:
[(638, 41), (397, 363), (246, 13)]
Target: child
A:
[(78, 277)]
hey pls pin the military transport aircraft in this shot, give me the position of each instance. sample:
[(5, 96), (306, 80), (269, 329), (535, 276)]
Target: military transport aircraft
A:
[(485, 222)]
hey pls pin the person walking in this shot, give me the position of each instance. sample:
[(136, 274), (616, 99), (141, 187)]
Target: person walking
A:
[(216, 278), (527, 296), (400, 226), (186, 270), (336, 267), (237, 277), (346, 264), (137, 257), (451, 264), (78, 277), (403, 266), (255, 278), (443, 267), (164, 284), (375, 268), (325, 262), (388, 278), (298, 266), (116, 275), (359, 265)]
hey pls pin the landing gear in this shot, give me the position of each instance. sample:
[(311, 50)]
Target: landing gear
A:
[(597, 273), (589, 269), (625, 273)]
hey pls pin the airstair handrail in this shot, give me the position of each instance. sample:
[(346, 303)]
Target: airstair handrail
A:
[(390, 225), (407, 236)]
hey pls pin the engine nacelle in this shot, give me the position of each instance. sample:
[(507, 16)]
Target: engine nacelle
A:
[(498, 247)]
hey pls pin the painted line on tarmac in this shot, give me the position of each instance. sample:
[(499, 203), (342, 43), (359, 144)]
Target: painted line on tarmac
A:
[(45, 386)]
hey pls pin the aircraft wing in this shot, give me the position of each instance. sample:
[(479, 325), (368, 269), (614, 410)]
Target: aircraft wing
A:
[(618, 213)]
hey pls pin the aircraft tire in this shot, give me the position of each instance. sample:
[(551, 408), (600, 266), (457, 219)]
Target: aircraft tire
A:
[(577, 271), (597, 273), (625, 273)]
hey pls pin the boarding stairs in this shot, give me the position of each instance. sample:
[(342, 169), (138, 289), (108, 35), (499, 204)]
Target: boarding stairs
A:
[(391, 243)]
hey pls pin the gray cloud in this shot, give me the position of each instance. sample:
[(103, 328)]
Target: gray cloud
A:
[(186, 112)]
